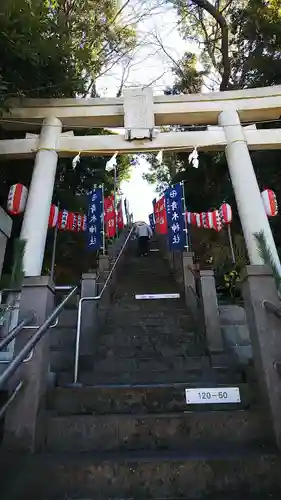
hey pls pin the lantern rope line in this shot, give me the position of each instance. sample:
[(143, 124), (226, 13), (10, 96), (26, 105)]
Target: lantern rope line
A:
[(74, 126), (109, 152), (94, 152)]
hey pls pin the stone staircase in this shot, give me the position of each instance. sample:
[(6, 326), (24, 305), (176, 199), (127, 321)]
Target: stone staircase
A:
[(126, 432)]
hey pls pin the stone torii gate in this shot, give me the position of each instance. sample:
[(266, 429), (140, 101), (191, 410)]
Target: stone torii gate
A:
[(141, 114)]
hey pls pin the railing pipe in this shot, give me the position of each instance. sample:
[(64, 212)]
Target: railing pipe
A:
[(8, 403), (33, 341), (95, 298), (14, 332)]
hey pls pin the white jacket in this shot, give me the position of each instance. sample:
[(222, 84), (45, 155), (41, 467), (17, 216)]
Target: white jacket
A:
[(143, 230)]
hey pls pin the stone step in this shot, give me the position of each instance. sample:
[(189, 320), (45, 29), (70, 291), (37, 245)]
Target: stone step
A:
[(155, 318), (62, 361), (147, 327), (146, 288), (62, 338), (135, 364), (145, 338), (165, 475), (132, 340), (151, 318), (67, 318), (218, 376), (161, 324), (141, 349), (101, 400), (153, 432)]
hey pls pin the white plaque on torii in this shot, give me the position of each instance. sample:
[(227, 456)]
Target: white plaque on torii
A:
[(139, 113)]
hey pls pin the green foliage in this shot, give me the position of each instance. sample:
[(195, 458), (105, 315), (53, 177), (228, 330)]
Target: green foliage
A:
[(256, 33), (187, 77), (266, 256), (57, 48), (254, 30)]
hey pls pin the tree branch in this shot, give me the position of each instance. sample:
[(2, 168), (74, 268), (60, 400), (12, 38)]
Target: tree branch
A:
[(221, 21)]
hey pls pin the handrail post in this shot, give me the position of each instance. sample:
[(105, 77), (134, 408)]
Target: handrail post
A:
[(22, 417)]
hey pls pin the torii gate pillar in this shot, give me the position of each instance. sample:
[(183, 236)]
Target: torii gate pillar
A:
[(35, 222), (250, 207)]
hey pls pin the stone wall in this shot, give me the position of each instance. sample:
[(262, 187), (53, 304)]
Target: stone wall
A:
[(235, 332)]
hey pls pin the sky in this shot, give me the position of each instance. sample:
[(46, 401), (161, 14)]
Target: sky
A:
[(150, 66)]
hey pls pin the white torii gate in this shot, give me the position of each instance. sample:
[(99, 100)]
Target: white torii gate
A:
[(141, 114)]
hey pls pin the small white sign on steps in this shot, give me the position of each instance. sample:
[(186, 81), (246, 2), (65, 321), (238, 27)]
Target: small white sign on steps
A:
[(155, 296), (212, 395)]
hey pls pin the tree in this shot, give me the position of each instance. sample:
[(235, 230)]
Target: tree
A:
[(237, 39), (206, 23), (188, 79), (58, 48), (254, 52)]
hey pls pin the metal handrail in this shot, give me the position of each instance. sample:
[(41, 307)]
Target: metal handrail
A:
[(8, 403), (95, 298), (15, 331), (34, 327), (31, 343), (63, 288), (270, 307)]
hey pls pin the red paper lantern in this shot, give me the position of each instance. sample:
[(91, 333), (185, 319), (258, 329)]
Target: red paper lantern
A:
[(79, 222), (226, 213), (53, 217), (84, 223), (17, 199), (217, 224), (199, 220), (72, 221), (269, 202), (191, 218), (207, 220), (63, 219)]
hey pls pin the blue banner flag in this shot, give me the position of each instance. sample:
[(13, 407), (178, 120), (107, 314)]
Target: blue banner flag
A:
[(95, 220), (152, 222), (175, 218)]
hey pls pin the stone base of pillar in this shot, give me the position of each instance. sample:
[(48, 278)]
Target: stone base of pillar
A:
[(24, 420), (211, 311), (188, 273), (265, 330)]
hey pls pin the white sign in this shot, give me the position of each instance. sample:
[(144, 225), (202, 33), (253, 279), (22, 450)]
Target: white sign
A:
[(154, 296), (212, 395)]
